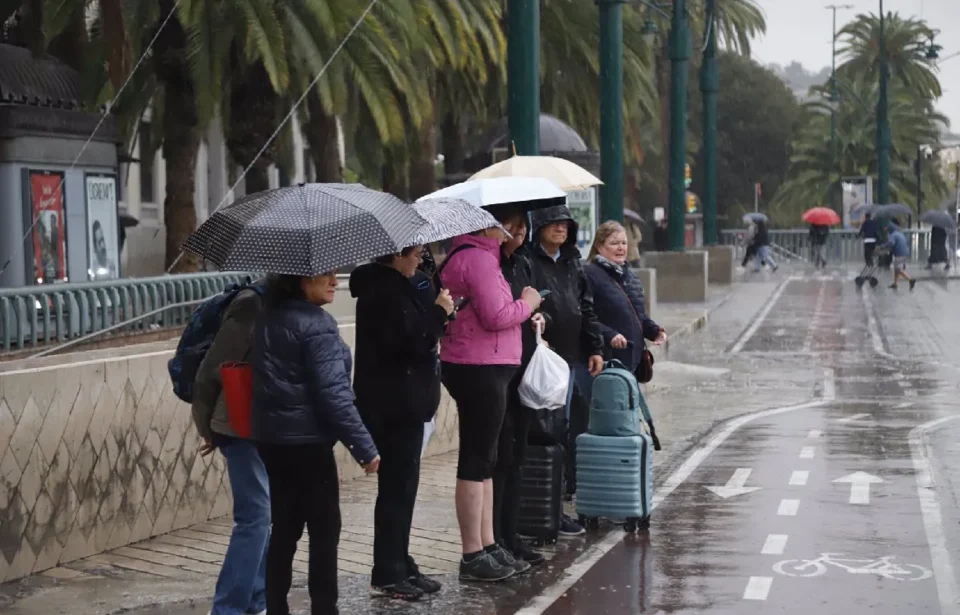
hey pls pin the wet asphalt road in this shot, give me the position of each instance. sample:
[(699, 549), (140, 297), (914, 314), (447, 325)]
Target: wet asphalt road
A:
[(845, 505)]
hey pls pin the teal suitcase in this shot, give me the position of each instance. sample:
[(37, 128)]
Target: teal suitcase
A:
[(615, 480)]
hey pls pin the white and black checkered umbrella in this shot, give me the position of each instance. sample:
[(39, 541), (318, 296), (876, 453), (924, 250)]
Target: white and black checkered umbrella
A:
[(307, 230)]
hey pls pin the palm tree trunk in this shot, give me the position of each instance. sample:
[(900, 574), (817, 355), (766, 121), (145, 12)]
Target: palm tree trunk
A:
[(118, 50), (454, 150), (253, 119), (423, 172), (323, 138), (393, 173)]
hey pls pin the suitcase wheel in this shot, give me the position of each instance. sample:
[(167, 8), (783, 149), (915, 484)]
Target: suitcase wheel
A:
[(644, 524), (630, 525), (591, 524)]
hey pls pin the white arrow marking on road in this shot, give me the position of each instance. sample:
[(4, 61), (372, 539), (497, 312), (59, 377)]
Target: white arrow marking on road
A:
[(860, 486), (855, 417), (814, 434), (735, 486)]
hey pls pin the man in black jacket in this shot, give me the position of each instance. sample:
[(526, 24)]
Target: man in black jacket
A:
[(400, 320), (574, 332)]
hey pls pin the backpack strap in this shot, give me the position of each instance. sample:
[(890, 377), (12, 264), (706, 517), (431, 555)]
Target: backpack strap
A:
[(453, 252)]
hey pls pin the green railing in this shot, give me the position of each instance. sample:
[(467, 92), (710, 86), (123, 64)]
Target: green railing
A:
[(38, 316), (842, 245)]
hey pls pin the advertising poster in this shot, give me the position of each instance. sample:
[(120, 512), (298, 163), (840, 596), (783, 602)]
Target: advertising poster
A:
[(103, 251), (583, 208), (49, 227), (857, 191)]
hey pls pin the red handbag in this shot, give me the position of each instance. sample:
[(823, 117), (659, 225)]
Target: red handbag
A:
[(238, 394)]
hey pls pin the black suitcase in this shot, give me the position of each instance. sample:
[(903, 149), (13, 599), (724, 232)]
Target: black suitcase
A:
[(540, 491), (547, 427)]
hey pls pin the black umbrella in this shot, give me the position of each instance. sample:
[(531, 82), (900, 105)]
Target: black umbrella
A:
[(941, 219), (307, 230)]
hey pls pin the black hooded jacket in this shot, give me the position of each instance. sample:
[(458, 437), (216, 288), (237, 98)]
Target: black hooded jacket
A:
[(573, 331), (517, 269), (397, 372)]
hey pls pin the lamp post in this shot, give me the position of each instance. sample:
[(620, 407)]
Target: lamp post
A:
[(611, 109), (709, 86), (883, 122), (679, 60), (523, 75), (835, 99)]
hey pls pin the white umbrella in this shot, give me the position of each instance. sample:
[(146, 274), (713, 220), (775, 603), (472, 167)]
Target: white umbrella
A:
[(565, 174), (531, 192)]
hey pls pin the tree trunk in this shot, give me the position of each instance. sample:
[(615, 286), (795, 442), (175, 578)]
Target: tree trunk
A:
[(118, 50), (323, 138), (394, 174), (181, 140), (423, 170), (454, 153), (253, 119)]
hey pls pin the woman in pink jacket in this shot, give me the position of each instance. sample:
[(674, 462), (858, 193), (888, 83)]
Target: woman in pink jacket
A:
[(480, 354)]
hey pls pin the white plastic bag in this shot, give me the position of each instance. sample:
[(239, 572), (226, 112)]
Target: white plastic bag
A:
[(546, 380), (428, 428)]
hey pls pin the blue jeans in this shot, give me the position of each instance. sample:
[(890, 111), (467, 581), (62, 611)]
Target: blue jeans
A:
[(763, 256), (241, 587)]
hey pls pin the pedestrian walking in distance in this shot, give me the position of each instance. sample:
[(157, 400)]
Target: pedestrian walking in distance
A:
[(898, 246), (818, 244), (480, 356), (241, 586), (397, 383), (302, 405), (869, 232)]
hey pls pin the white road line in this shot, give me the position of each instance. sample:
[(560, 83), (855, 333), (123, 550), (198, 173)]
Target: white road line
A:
[(815, 321), (932, 519), (814, 434), (799, 477), (874, 328), (752, 329), (758, 588), (807, 452), (788, 508), (591, 556), (855, 417), (775, 544)]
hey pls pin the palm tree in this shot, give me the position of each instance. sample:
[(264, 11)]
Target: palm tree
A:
[(906, 41)]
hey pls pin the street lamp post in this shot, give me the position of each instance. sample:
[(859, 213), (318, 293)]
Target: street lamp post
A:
[(679, 60), (709, 86), (883, 122), (611, 109), (523, 75), (835, 99)]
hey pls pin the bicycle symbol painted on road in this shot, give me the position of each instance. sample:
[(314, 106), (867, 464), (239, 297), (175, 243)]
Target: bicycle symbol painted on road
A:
[(881, 566)]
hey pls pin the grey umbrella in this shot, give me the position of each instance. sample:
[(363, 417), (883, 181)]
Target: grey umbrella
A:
[(631, 216), (884, 211), (306, 229), (451, 217), (941, 219), (754, 217)]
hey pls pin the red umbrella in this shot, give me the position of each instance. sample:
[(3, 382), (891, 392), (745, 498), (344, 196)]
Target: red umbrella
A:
[(821, 215)]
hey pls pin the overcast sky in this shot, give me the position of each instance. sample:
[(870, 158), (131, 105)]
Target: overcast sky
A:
[(801, 30)]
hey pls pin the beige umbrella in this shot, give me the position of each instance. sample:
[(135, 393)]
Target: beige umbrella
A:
[(565, 174)]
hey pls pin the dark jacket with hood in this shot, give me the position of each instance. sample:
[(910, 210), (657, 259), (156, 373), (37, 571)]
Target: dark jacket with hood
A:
[(396, 369), (621, 309), (517, 269), (301, 381), (574, 332), (762, 236)]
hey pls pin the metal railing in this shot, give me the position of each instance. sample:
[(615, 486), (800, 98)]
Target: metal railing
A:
[(842, 245), (38, 316)]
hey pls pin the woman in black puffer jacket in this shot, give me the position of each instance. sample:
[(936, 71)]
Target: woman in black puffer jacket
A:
[(302, 405)]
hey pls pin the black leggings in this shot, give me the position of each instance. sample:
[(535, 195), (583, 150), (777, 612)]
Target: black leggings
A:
[(481, 395), (508, 473)]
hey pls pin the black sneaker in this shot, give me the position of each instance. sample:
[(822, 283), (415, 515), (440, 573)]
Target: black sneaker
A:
[(505, 558), (425, 583), (569, 527), (404, 590), (892, 287), (912, 284), (485, 569), (522, 551)]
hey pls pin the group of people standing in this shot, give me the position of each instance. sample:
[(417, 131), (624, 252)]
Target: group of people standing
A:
[(471, 328)]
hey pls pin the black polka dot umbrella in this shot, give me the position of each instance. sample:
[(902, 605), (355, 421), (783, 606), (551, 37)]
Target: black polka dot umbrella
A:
[(306, 229)]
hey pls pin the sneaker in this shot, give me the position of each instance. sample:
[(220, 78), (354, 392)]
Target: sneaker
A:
[(425, 583), (485, 569), (506, 559), (569, 527), (892, 287), (912, 284), (404, 590), (522, 551)]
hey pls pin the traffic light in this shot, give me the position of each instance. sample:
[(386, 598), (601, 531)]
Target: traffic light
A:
[(688, 177)]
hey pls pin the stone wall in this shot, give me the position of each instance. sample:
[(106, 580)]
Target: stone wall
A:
[(96, 452)]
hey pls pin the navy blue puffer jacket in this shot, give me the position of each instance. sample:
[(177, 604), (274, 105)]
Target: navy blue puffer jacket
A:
[(301, 381)]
